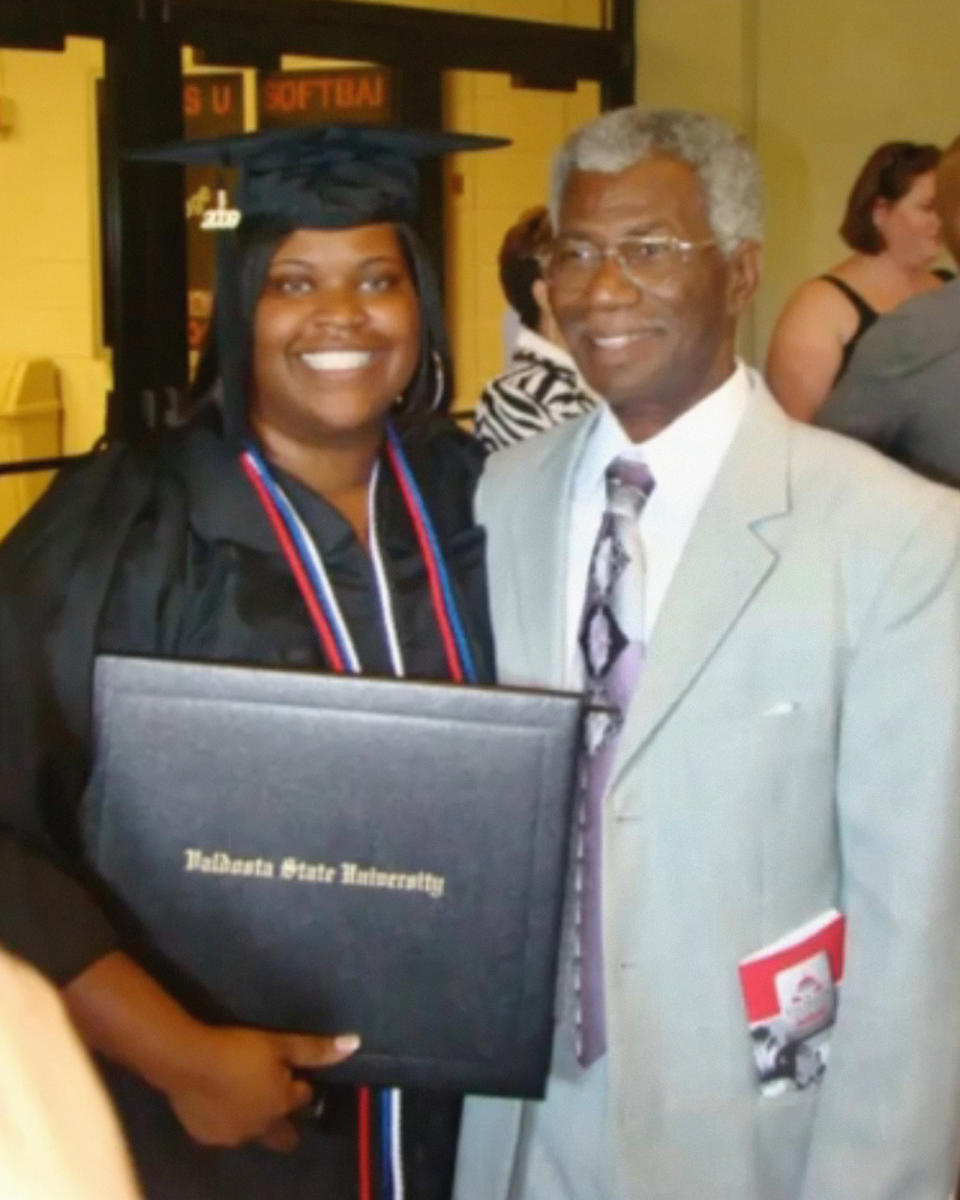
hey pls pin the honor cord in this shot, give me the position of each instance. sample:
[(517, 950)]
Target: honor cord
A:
[(311, 577), (383, 587), (459, 656), (297, 545), (390, 1147), (363, 1144)]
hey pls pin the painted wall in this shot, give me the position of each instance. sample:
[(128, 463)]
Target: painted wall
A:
[(486, 193), (817, 85), (49, 235), (832, 82)]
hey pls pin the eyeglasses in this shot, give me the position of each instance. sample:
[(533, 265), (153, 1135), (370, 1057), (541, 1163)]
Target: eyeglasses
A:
[(571, 263)]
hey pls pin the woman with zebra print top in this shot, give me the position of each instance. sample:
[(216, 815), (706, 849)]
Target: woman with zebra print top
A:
[(541, 386)]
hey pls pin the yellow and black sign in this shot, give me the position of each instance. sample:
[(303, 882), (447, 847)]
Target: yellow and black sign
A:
[(362, 95)]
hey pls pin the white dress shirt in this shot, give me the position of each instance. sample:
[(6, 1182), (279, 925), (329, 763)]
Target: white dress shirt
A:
[(684, 459), (565, 1146)]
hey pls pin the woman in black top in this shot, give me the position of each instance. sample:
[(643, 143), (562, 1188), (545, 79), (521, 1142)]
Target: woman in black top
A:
[(329, 336), (894, 232)]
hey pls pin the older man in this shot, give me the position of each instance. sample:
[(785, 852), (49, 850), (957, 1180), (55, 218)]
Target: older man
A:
[(901, 392), (769, 618)]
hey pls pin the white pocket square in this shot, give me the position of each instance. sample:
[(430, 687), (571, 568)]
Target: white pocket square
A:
[(782, 708)]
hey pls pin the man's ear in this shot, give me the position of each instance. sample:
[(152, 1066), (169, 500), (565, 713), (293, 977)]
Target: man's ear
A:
[(548, 326), (539, 291), (744, 267)]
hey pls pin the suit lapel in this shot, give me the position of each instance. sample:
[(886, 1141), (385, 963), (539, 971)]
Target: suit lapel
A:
[(723, 566), (539, 530)]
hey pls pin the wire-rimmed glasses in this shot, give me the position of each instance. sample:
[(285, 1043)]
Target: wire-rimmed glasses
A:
[(570, 263)]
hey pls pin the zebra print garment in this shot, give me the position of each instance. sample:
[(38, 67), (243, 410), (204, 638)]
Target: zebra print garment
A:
[(540, 389)]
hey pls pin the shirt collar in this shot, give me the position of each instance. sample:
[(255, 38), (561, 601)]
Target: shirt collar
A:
[(690, 447)]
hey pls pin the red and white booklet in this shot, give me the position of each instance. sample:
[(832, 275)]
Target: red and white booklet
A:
[(790, 991)]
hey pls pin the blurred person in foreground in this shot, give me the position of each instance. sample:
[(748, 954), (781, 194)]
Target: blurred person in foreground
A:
[(541, 387), (901, 392), (892, 227), (767, 617), (59, 1138)]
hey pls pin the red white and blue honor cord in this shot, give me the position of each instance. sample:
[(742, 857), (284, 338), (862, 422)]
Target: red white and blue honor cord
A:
[(455, 644), (307, 567)]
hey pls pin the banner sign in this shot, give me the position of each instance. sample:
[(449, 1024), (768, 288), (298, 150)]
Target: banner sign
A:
[(360, 95)]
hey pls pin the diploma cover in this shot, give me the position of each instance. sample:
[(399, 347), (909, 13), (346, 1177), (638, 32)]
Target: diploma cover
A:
[(328, 853)]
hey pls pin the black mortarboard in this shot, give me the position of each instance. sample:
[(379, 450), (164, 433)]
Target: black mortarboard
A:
[(325, 177), (321, 177)]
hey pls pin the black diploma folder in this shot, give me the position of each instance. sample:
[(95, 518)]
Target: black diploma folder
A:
[(333, 854)]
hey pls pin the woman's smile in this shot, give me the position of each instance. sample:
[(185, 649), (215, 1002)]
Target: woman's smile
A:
[(337, 360)]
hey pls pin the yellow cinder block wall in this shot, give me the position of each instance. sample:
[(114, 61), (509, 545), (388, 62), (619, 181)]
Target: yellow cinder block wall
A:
[(817, 85), (492, 189), (49, 227), (50, 282)]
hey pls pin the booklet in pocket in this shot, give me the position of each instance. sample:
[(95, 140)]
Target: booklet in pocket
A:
[(790, 992)]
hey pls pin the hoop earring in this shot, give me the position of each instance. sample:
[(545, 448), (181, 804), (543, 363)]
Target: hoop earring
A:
[(439, 381)]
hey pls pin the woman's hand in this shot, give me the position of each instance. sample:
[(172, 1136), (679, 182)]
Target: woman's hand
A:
[(242, 1087), (227, 1085)]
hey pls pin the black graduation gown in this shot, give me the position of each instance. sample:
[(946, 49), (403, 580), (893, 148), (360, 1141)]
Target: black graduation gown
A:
[(168, 552)]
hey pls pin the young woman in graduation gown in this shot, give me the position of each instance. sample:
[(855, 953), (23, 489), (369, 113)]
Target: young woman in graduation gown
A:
[(330, 337)]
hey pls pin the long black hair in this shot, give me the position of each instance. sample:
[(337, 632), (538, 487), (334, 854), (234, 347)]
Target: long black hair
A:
[(225, 370)]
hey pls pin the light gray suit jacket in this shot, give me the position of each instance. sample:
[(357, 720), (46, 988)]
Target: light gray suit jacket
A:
[(793, 746)]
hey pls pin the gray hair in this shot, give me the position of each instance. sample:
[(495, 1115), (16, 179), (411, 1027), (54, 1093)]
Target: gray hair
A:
[(724, 162)]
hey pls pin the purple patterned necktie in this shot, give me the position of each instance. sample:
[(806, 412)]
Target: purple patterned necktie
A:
[(611, 633)]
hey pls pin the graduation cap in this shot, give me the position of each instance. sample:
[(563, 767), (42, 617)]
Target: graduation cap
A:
[(317, 177), (326, 176)]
